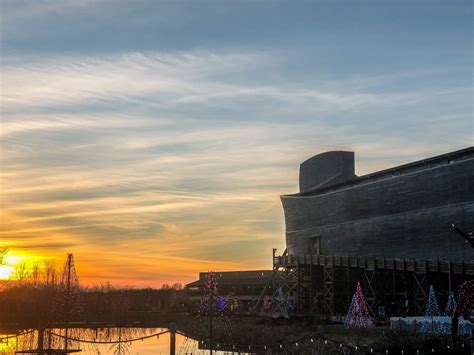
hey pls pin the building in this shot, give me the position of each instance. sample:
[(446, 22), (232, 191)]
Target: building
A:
[(241, 288), (406, 211), (391, 230)]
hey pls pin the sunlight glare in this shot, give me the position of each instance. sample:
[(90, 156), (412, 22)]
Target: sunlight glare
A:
[(12, 259), (6, 272)]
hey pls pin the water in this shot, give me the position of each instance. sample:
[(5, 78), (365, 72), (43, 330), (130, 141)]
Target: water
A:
[(144, 341)]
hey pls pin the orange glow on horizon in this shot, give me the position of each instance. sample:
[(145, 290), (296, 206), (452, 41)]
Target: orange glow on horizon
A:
[(93, 270), (116, 240)]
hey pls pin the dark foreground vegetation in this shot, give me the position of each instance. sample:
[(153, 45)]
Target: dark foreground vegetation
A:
[(302, 336), (43, 296), (32, 304), (41, 300)]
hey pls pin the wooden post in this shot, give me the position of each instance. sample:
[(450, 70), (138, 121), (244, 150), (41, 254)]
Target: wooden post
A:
[(393, 283), (172, 342), (211, 315), (311, 294), (298, 306), (449, 275), (348, 284), (210, 333), (40, 341), (68, 295)]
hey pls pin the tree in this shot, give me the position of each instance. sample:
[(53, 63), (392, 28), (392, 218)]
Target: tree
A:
[(50, 273), (451, 305), (35, 274), (21, 272), (177, 286), (3, 254), (358, 314), (432, 308), (466, 296)]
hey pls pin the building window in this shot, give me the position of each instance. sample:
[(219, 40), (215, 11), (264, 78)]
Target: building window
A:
[(315, 245)]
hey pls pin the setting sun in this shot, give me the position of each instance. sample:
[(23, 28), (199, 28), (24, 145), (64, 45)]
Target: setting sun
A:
[(6, 272)]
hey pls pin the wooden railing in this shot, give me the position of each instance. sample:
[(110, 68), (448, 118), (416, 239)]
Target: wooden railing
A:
[(372, 263)]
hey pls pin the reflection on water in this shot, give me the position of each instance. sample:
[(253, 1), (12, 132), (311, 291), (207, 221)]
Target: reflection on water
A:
[(115, 341), (7, 346)]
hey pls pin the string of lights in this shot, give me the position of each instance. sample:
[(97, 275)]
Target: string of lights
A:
[(300, 343), (5, 338), (111, 341)]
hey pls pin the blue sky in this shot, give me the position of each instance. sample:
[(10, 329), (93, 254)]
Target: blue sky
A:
[(164, 132)]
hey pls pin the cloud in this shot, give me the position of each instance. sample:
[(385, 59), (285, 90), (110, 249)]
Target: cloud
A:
[(174, 161), (169, 81)]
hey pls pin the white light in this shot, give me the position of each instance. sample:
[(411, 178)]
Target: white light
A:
[(312, 340), (325, 342), (296, 344)]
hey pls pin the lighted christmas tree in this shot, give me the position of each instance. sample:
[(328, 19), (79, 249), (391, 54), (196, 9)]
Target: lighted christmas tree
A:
[(358, 314), (432, 308), (210, 295), (465, 303), (281, 305), (212, 323), (466, 296), (451, 305)]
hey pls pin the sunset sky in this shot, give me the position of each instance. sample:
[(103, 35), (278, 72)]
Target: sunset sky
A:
[(152, 139)]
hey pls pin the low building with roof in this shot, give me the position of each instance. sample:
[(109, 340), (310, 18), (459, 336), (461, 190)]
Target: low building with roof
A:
[(241, 288)]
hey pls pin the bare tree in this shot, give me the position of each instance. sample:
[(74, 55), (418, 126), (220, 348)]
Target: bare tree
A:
[(177, 286), (50, 273), (35, 274), (3, 254), (21, 272)]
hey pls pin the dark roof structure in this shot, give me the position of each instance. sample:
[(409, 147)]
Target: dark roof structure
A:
[(235, 278)]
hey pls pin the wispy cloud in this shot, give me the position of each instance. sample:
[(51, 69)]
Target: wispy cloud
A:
[(174, 161)]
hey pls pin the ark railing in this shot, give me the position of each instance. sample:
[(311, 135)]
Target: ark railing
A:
[(377, 274), (372, 263)]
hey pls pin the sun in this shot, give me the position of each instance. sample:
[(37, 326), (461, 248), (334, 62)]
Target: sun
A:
[(6, 272)]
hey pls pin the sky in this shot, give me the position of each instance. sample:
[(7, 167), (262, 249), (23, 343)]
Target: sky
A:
[(153, 139)]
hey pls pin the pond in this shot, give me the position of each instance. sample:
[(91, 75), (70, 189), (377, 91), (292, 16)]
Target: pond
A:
[(117, 341)]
